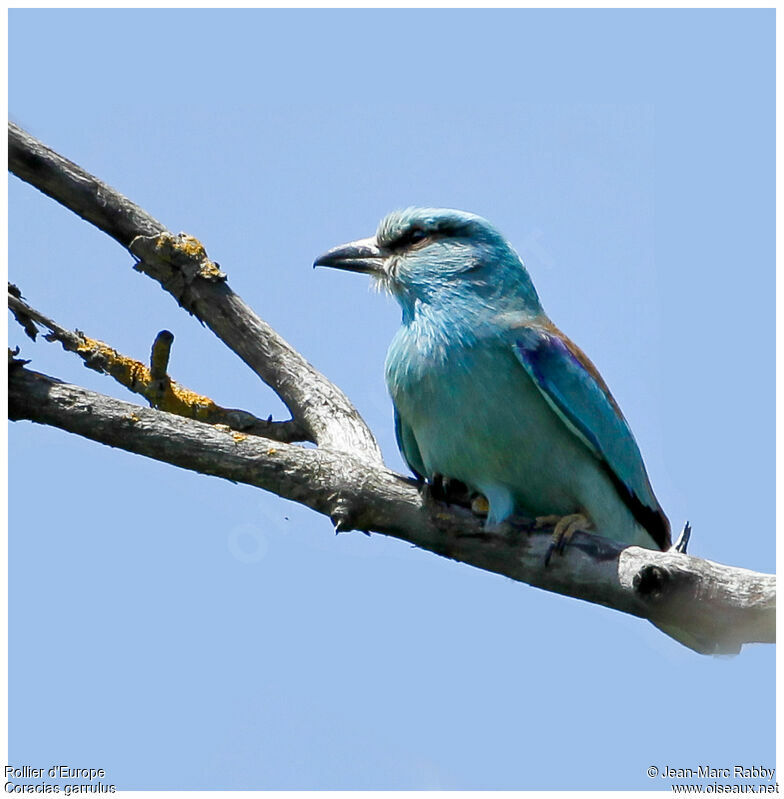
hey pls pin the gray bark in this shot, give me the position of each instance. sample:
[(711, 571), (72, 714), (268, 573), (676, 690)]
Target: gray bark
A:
[(708, 606), (198, 285)]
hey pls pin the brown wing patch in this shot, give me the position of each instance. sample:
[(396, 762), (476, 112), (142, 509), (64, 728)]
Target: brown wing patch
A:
[(586, 362)]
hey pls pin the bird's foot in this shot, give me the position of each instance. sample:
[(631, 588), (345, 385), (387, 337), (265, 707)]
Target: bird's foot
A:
[(547, 521), (446, 490), (565, 528), (480, 506)]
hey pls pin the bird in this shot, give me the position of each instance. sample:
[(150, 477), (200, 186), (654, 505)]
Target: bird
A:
[(490, 394)]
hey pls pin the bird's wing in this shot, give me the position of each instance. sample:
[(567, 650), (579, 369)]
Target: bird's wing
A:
[(576, 392), (408, 446)]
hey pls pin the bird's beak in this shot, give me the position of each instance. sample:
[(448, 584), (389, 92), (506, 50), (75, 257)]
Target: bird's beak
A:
[(363, 255)]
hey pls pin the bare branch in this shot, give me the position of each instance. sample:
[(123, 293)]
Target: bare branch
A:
[(709, 607), (158, 389), (181, 266)]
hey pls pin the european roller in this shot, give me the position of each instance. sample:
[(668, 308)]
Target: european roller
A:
[(489, 392)]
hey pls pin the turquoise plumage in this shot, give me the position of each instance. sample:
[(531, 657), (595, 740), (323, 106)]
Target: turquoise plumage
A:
[(488, 392)]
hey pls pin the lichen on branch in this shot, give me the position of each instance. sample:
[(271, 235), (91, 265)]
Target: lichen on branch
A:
[(152, 383)]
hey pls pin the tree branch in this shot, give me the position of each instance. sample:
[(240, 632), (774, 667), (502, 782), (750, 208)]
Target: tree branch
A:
[(707, 606), (152, 383), (710, 607), (181, 266)]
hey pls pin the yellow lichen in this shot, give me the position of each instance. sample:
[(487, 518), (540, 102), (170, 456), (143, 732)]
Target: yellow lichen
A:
[(190, 245), (164, 394), (125, 370), (135, 375), (238, 436), (209, 270), (184, 402), (164, 241), (170, 246)]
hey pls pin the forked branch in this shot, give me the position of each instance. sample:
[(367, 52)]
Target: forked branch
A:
[(180, 265), (710, 607), (153, 382)]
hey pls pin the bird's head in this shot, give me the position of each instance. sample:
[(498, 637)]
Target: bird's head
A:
[(441, 258)]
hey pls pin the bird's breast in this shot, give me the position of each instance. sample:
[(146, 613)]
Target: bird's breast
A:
[(425, 351), (477, 416), (472, 409)]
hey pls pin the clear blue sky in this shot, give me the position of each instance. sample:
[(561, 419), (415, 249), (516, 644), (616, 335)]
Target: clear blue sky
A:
[(183, 632)]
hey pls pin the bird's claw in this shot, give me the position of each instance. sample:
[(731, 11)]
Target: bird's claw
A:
[(446, 490), (546, 521), (683, 540), (565, 528)]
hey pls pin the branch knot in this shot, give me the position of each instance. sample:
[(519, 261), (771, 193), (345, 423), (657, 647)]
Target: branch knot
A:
[(176, 262), (651, 581)]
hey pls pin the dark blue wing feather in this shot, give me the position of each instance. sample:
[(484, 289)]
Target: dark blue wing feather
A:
[(573, 388), (408, 447)]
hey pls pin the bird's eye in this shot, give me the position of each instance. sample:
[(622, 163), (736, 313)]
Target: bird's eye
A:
[(414, 236), (408, 238)]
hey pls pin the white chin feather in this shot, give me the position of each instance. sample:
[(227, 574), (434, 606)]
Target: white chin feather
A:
[(381, 283)]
